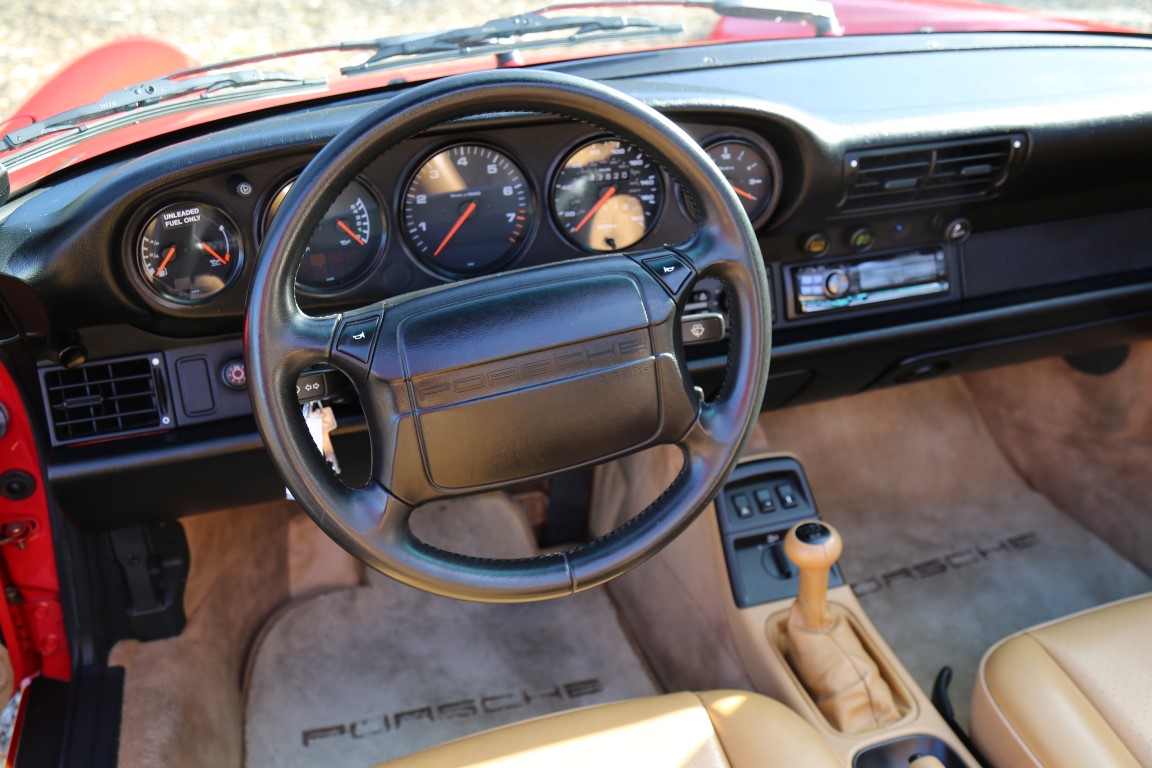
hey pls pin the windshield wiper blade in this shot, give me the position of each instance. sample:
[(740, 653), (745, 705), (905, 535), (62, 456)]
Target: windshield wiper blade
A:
[(502, 33), (819, 13), (146, 94)]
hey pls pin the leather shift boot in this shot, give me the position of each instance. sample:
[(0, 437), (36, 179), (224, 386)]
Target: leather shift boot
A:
[(842, 678)]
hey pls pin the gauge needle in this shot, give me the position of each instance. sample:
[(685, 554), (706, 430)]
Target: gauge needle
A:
[(222, 259), (455, 227), (603, 199), (742, 193), (167, 258), (340, 223)]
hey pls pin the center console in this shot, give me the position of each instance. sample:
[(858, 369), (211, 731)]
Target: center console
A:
[(715, 608), (767, 626)]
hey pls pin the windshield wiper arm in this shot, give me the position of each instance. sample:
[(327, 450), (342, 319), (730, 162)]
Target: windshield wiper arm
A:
[(145, 94), (498, 33)]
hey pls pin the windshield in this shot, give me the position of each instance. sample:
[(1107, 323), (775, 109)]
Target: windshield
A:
[(41, 39)]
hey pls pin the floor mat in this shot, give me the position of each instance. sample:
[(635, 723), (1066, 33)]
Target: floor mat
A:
[(357, 676), (946, 545)]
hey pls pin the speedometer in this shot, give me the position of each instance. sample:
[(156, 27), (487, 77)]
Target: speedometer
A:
[(607, 195), (467, 210)]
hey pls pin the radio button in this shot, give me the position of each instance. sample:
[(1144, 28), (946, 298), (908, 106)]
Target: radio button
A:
[(837, 284)]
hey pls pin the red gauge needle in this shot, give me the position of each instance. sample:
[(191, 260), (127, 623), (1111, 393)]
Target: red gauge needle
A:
[(167, 258), (599, 203), (455, 227), (222, 259), (340, 223), (742, 193)]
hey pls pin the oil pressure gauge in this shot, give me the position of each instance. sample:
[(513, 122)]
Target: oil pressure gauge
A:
[(347, 241), (753, 172), (190, 252)]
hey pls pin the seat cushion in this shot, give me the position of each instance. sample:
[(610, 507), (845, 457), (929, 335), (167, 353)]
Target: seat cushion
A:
[(1073, 692), (703, 730)]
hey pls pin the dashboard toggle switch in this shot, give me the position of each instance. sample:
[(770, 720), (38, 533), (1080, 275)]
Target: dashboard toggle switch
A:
[(702, 328)]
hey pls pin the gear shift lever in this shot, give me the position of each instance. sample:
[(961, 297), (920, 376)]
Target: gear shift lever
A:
[(823, 649), (813, 548)]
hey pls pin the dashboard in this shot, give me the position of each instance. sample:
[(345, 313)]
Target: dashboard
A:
[(435, 209), (926, 205)]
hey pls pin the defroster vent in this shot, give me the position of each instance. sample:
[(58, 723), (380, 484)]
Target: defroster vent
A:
[(911, 175), (104, 399)]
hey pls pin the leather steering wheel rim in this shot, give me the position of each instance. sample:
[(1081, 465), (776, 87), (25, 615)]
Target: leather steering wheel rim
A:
[(642, 394)]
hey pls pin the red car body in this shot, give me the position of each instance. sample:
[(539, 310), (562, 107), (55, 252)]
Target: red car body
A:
[(132, 60)]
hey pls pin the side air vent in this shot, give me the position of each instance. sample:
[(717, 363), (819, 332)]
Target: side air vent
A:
[(913, 175), (104, 399)]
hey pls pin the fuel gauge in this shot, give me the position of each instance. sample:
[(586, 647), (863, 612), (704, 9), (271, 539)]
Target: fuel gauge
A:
[(190, 252)]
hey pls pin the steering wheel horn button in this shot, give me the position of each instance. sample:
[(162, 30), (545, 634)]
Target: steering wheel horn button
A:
[(671, 271), (356, 338)]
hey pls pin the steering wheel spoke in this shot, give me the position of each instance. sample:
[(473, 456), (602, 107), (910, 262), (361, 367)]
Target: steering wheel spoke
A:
[(308, 340)]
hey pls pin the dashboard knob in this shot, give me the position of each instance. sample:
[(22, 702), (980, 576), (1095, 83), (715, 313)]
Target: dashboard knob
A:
[(837, 284)]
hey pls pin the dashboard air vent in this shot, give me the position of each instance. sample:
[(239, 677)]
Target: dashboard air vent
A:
[(929, 173), (108, 398)]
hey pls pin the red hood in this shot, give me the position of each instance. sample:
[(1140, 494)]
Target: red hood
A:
[(132, 60)]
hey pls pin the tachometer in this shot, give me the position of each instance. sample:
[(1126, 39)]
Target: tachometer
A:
[(346, 241), (190, 252), (607, 195), (467, 210)]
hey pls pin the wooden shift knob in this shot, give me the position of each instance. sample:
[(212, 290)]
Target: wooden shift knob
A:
[(813, 547)]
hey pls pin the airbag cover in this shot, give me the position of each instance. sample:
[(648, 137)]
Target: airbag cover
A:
[(530, 381)]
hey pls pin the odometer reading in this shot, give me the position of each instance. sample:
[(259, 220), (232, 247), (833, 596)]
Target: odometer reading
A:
[(190, 252), (607, 195), (467, 210)]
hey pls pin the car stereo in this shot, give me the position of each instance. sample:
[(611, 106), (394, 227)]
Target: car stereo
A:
[(816, 288)]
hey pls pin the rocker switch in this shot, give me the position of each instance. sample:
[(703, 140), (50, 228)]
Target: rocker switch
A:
[(743, 508), (787, 495)]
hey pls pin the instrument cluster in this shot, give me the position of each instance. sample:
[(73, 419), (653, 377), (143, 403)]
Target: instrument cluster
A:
[(450, 209)]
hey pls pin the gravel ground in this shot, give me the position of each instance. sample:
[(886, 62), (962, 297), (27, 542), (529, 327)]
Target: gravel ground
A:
[(39, 36)]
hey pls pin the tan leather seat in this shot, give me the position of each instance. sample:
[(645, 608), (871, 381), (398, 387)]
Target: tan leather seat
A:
[(1074, 692), (702, 730)]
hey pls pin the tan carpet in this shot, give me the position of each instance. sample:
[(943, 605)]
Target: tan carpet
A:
[(948, 547), (356, 676), (1083, 441), (182, 703)]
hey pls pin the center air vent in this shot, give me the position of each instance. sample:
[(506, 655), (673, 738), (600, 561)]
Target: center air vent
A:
[(929, 173), (109, 398)]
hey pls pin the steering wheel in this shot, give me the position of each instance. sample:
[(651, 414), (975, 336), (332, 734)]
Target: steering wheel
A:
[(482, 384)]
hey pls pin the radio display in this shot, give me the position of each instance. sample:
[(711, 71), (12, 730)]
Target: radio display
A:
[(824, 287)]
